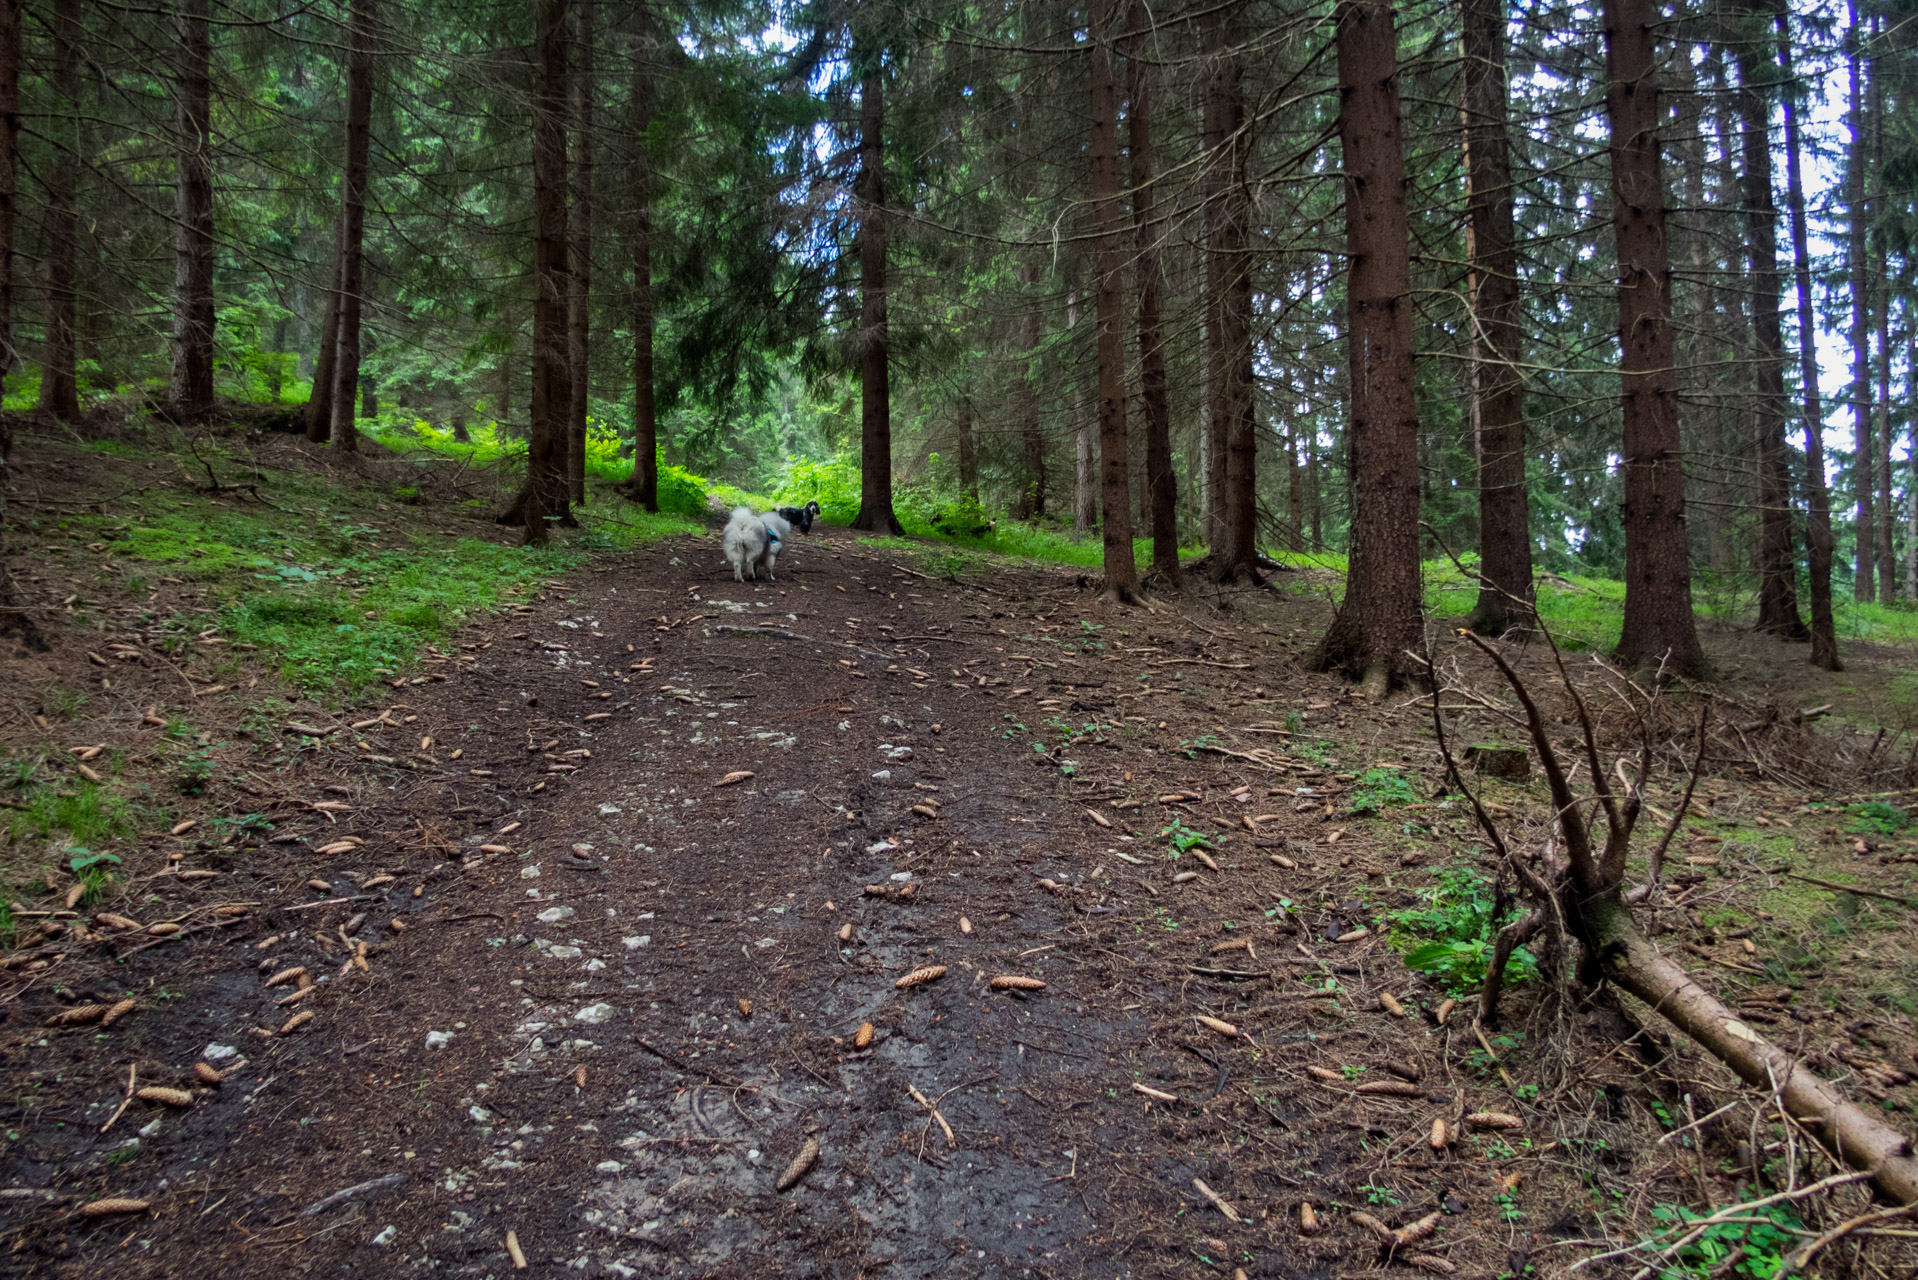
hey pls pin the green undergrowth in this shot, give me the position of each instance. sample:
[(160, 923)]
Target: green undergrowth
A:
[(1450, 933), (332, 586)]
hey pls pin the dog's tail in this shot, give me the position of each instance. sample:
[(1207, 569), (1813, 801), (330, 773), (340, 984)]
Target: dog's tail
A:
[(742, 514)]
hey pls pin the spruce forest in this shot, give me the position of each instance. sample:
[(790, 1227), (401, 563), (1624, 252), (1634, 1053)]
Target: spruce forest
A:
[(1380, 731)]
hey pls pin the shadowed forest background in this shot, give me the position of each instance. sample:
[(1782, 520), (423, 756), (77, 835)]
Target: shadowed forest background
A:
[(868, 253)]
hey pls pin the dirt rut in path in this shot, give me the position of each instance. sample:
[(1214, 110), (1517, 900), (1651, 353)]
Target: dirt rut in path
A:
[(612, 1032)]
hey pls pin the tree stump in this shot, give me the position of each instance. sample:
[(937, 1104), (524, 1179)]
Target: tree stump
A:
[(1500, 762)]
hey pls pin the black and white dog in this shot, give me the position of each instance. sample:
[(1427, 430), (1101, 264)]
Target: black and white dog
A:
[(801, 517)]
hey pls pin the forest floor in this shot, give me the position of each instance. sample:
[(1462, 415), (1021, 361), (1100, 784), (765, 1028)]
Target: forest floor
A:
[(555, 829)]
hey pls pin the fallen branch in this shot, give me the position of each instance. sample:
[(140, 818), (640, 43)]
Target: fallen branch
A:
[(1618, 949), (1852, 888)]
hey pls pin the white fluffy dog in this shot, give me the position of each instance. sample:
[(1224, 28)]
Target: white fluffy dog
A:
[(778, 530), (746, 541)]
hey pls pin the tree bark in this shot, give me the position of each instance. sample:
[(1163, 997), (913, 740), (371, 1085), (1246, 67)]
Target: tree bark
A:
[(14, 619), (643, 487), (1504, 540), (1236, 557), (1025, 392), (59, 376), (1085, 500), (1232, 458), (1162, 487), (1659, 627), (1864, 581), (1778, 559), (190, 388), (1115, 479), (544, 497), (1380, 619), (965, 447), (875, 344), (579, 319), (319, 404), (1818, 536), (1885, 558), (359, 137)]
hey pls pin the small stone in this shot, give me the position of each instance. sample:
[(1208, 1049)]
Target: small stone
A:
[(608, 1166), (529, 873), (438, 1039), (553, 915), (215, 1052), (594, 1014), (634, 944), (480, 1115), (384, 1238), (561, 953)]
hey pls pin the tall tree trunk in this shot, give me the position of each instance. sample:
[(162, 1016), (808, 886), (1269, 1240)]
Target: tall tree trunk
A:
[(875, 341), (190, 389), (1885, 558), (1212, 179), (1162, 487), (1777, 555), (359, 138), (1911, 450), (544, 497), (968, 454), (59, 377), (1234, 556), (1498, 388), (1864, 581), (319, 404), (1025, 393), (1659, 626), (1818, 537), (1380, 618), (14, 619), (579, 326), (1085, 499), (643, 487), (1108, 294)]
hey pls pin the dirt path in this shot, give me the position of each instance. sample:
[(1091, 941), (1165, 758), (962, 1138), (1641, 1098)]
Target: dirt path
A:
[(558, 1043)]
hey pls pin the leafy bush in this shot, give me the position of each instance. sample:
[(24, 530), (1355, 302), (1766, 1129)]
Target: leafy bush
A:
[(833, 484), (1450, 934)]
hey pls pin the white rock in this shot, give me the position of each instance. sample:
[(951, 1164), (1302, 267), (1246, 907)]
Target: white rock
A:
[(608, 1166), (634, 944), (553, 915), (438, 1039), (562, 953), (480, 1115), (764, 942), (883, 774), (593, 966), (608, 810), (902, 876), (215, 1052), (529, 873), (594, 1014), (384, 1238), (150, 1128)]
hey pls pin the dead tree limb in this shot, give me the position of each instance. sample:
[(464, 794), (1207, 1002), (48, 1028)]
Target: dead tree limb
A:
[(1616, 950)]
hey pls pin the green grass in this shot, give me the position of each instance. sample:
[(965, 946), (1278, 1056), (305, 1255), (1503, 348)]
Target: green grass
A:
[(83, 815), (336, 602)]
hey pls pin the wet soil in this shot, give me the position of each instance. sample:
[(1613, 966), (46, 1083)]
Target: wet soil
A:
[(635, 866)]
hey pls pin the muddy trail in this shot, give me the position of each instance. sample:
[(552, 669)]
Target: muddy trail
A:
[(604, 924), (662, 924)]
